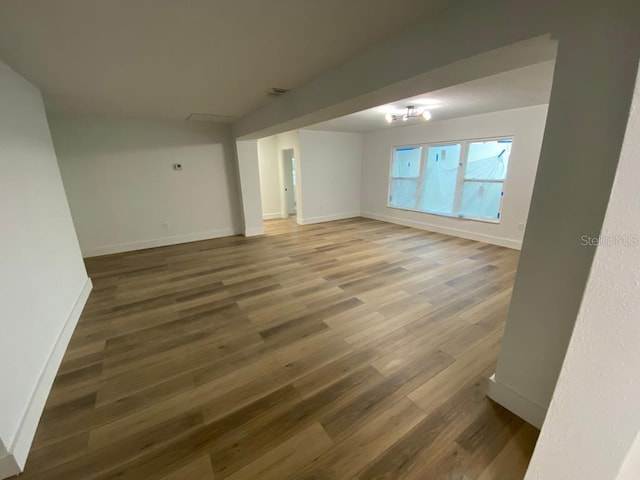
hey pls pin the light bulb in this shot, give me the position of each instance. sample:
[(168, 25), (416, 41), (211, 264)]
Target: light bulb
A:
[(388, 117), (426, 115)]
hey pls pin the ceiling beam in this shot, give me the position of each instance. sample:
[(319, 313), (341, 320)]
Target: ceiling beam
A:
[(470, 41)]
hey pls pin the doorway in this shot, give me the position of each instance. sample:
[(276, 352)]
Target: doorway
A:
[(289, 182)]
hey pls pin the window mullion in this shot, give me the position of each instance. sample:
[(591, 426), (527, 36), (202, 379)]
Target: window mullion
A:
[(421, 176), (462, 169)]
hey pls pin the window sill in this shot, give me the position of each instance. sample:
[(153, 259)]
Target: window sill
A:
[(473, 219)]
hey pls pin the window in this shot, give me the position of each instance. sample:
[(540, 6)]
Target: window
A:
[(441, 173), (462, 179), (405, 176)]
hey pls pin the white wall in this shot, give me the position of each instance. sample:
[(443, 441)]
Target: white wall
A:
[(43, 282), (122, 188), (631, 467), (329, 167), (291, 141), (272, 174), (330, 177), (527, 127), (249, 177), (270, 177), (594, 417)]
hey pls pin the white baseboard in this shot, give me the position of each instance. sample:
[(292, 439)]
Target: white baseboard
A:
[(327, 218), (18, 451), (272, 216), (480, 237), (514, 402), (254, 232), (8, 467), (158, 242)]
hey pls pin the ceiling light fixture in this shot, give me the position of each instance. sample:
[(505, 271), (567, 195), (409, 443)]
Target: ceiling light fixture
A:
[(411, 112)]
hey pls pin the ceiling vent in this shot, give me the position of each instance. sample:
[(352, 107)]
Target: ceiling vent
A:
[(208, 117), (277, 92)]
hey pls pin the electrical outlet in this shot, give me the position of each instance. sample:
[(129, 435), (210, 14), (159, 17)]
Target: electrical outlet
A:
[(520, 227), (165, 225)]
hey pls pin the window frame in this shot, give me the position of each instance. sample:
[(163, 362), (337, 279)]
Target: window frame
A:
[(460, 179), (418, 179)]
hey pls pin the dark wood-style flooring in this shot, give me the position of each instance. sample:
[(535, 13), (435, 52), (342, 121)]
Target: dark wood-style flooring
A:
[(350, 349)]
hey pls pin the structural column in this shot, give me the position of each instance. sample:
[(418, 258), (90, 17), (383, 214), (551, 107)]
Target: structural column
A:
[(592, 427), (249, 172), (591, 95)]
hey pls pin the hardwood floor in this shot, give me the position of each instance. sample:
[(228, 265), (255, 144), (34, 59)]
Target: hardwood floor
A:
[(350, 349)]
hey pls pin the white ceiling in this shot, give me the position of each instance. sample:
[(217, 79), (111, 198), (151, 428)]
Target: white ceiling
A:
[(522, 87), (169, 58)]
